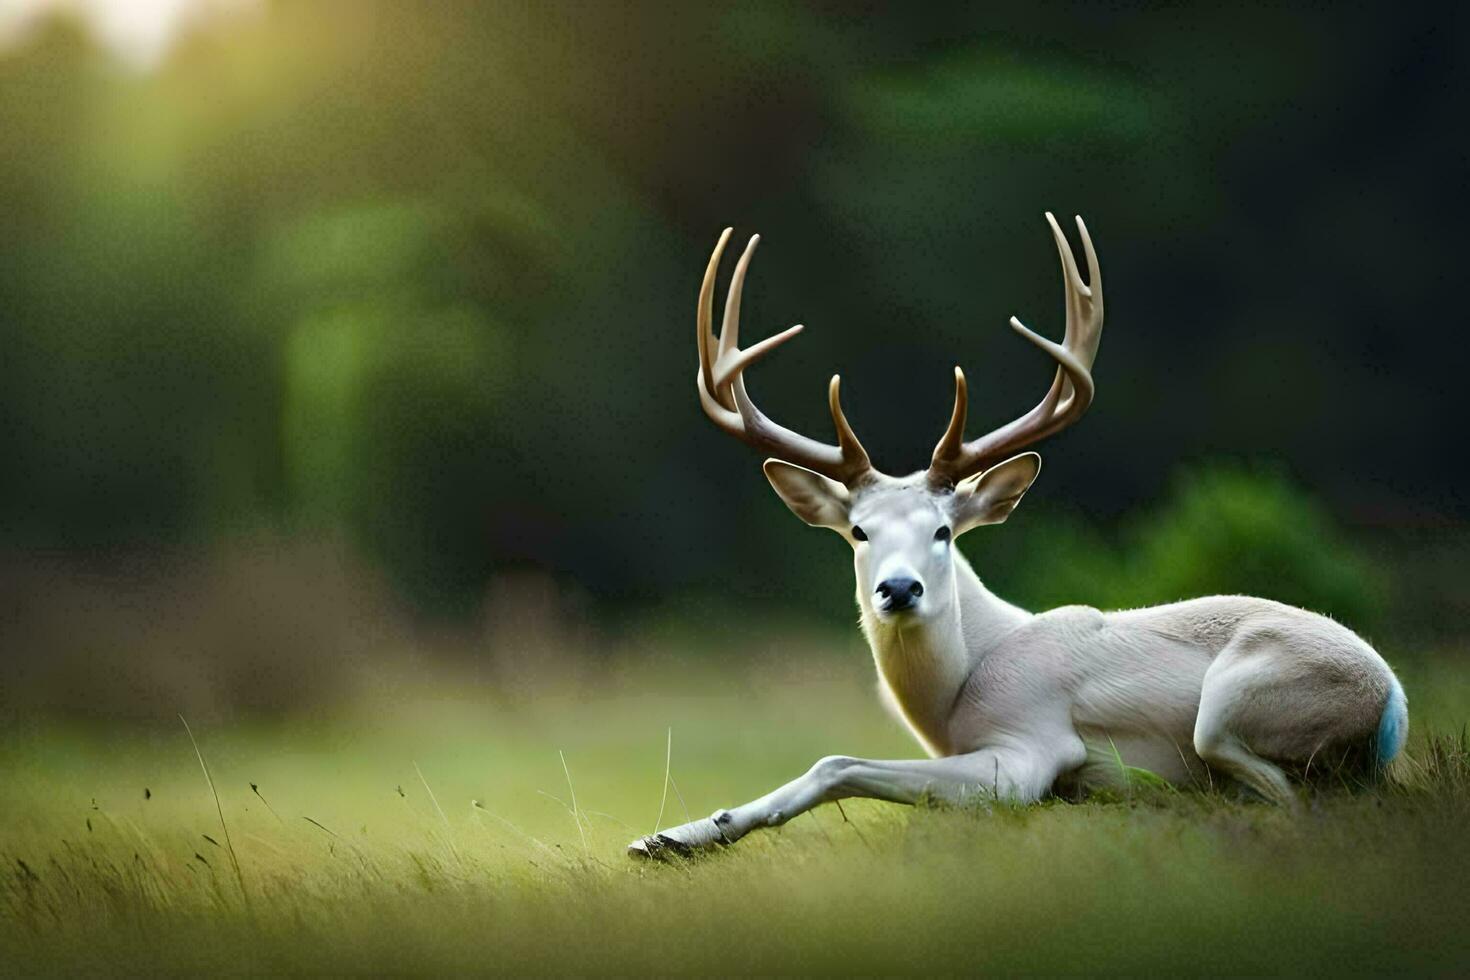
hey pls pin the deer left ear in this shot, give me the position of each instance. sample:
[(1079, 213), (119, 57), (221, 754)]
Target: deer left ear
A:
[(989, 497)]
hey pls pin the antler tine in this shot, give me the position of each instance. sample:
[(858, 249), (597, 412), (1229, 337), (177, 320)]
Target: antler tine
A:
[(730, 328), (1071, 390), (704, 319), (721, 384), (953, 440), (846, 438)]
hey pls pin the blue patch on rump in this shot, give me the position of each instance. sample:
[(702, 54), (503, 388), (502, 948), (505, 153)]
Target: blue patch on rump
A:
[(1393, 727)]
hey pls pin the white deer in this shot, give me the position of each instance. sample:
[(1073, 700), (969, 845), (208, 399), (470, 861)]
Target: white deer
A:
[(1012, 705)]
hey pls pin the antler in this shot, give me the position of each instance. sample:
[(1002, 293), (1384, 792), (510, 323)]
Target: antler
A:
[(1071, 390), (722, 394)]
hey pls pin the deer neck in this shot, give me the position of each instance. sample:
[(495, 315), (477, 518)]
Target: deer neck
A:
[(924, 664)]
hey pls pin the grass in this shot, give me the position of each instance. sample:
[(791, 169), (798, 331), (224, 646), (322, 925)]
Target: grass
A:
[(453, 827)]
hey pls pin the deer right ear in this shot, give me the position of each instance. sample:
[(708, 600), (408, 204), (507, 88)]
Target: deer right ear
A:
[(812, 497), (989, 497)]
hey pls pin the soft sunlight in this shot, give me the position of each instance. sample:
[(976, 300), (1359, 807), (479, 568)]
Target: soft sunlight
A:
[(139, 33)]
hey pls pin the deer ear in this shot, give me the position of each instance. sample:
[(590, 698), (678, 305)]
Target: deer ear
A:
[(989, 497), (812, 497)]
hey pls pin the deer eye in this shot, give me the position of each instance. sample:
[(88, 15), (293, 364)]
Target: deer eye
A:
[(859, 533), (942, 534)]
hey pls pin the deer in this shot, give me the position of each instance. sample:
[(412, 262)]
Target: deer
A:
[(1011, 706)]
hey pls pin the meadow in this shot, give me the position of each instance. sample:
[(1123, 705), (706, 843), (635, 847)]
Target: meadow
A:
[(446, 822), (346, 417)]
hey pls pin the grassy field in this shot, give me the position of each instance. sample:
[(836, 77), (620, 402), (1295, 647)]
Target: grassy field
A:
[(430, 828)]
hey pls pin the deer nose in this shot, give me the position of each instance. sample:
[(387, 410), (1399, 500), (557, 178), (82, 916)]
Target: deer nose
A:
[(900, 593)]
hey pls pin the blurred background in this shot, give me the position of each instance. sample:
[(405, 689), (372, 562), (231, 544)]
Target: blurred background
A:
[(347, 342)]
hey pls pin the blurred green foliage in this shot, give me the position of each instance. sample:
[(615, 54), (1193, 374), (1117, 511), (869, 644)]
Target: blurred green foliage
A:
[(1223, 529), (422, 277), (1233, 531)]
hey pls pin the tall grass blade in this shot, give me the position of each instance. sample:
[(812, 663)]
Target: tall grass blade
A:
[(576, 814), (448, 830), (229, 845), (668, 768)]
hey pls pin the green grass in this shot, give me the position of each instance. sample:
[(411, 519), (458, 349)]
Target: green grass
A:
[(351, 862)]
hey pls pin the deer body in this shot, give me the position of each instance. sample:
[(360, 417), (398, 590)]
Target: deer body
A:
[(1014, 705), (1095, 688)]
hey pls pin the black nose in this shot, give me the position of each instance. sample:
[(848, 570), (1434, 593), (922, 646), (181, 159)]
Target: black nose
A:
[(900, 593)]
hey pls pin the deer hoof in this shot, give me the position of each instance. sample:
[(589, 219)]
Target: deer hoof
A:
[(658, 847), (681, 841)]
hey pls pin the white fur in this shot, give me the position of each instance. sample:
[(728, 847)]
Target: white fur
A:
[(1013, 705)]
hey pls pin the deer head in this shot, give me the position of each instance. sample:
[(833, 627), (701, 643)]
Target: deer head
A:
[(901, 529)]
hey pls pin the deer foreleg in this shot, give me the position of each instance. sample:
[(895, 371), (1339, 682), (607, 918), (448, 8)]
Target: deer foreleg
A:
[(987, 774)]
